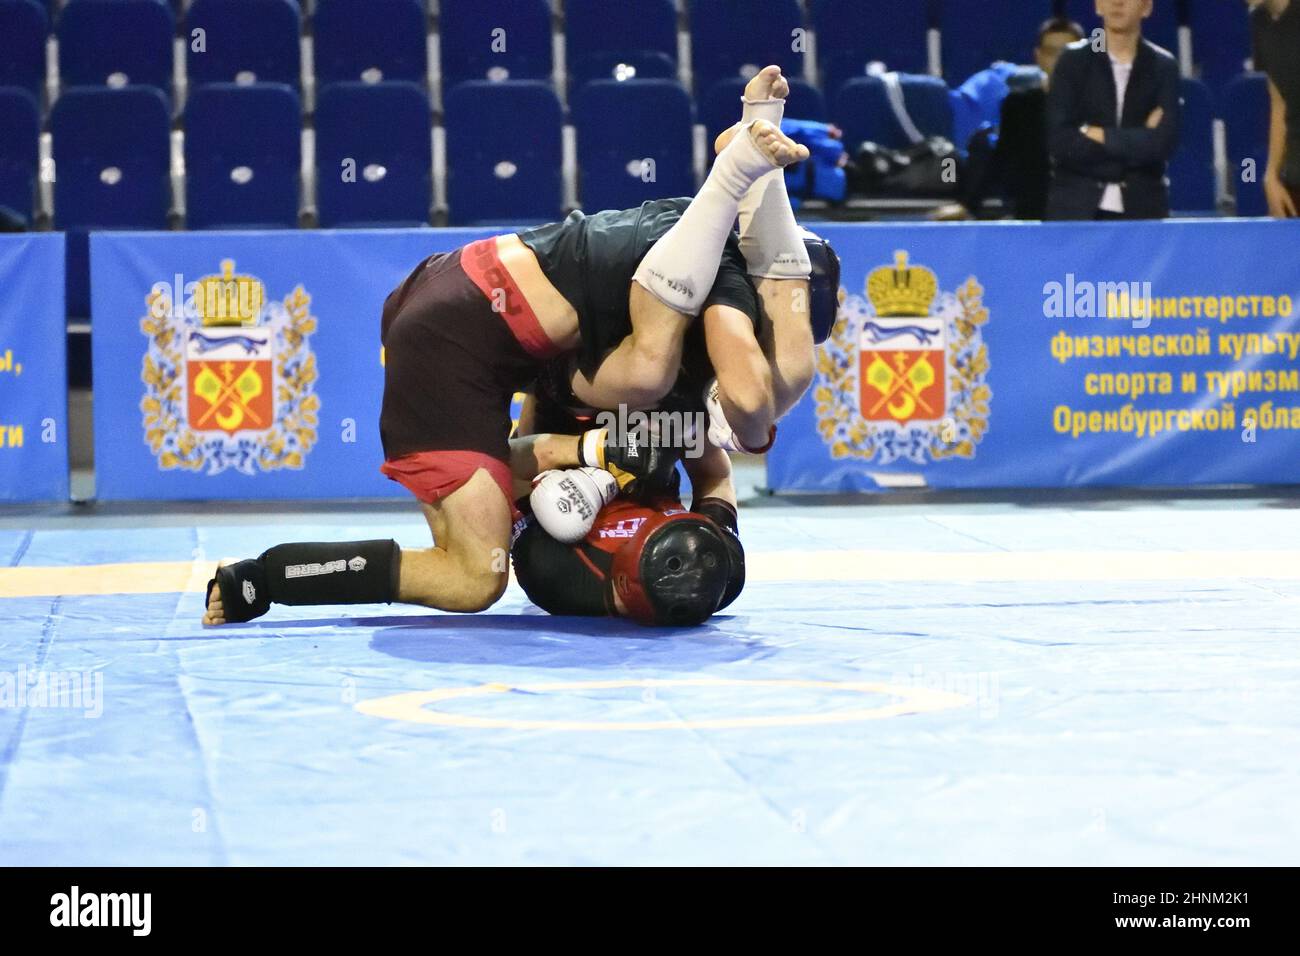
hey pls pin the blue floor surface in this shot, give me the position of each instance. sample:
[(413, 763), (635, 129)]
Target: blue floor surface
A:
[(929, 684)]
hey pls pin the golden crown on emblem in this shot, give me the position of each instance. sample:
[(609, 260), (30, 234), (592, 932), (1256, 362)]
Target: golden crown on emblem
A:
[(903, 290), (229, 299)]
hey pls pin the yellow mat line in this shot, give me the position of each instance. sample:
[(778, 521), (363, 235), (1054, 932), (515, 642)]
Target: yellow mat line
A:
[(168, 577)]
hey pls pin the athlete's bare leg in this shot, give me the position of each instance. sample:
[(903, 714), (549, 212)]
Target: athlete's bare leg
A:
[(662, 304), (467, 567)]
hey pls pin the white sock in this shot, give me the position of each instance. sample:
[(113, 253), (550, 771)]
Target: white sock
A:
[(769, 236), (679, 270)]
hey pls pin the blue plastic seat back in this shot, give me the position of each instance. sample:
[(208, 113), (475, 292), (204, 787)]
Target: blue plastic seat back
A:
[(374, 157), (116, 43), (244, 41), (634, 142), (374, 41), (1246, 113), (861, 108), (504, 152), (23, 29), (978, 33), (739, 37), (851, 34), (600, 36), (495, 40), (243, 156), (20, 130)]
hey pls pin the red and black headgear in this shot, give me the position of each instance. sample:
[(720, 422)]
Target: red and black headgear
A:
[(674, 572)]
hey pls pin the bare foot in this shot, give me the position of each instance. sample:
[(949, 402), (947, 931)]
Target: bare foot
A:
[(214, 614), (780, 149), (768, 84)]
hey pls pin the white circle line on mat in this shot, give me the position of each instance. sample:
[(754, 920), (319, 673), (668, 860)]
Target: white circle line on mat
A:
[(418, 706)]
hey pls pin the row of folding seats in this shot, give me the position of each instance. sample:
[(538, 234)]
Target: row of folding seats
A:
[(503, 144), (130, 40)]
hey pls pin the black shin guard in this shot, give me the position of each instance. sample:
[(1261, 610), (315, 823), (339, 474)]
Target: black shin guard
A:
[(335, 572)]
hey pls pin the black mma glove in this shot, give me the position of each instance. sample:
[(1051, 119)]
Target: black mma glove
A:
[(723, 514)]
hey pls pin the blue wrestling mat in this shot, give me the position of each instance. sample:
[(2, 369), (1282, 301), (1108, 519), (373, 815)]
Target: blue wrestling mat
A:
[(1103, 683)]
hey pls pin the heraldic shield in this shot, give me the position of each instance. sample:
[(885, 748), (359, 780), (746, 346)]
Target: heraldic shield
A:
[(903, 375), (902, 351), (230, 376)]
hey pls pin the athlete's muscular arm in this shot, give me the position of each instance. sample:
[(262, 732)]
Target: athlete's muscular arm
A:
[(643, 367), (786, 339), (710, 475), (744, 374)]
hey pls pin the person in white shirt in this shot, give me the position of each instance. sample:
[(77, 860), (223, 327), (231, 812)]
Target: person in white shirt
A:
[(1113, 117)]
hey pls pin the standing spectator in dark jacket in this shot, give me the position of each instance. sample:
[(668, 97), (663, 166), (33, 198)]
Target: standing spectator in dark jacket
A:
[(1113, 112), (1275, 26)]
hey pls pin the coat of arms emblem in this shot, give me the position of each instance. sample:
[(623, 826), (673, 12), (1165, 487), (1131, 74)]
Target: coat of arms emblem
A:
[(903, 373), (229, 377)]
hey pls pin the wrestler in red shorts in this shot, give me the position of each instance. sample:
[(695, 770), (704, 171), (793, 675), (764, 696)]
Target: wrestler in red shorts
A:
[(617, 292)]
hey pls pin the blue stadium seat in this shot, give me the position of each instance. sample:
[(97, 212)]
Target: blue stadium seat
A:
[(504, 152), (374, 41), (20, 130), (634, 142), (851, 34), (23, 28), (247, 41), (601, 35), (383, 129), (1161, 28), (1191, 170), (1246, 112), (861, 108), (978, 33), (720, 107), (495, 40), (116, 43), (1220, 40), (739, 37), (112, 158), (243, 156)]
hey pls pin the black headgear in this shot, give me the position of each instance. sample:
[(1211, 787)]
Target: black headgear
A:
[(824, 285), (674, 572)]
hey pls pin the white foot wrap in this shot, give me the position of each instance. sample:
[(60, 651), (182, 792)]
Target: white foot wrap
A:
[(679, 270), (772, 110), (769, 236)]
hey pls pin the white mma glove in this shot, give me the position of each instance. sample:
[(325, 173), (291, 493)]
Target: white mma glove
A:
[(720, 430), (566, 502)]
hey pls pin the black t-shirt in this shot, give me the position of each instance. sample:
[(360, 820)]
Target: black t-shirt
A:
[(1277, 53), (591, 260)]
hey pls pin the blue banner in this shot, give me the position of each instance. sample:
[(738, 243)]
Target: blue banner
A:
[(1053, 355), (33, 369), (244, 365), (248, 365)]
